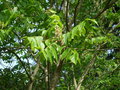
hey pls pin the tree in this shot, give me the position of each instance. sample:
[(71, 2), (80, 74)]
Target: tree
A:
[(59, 44)]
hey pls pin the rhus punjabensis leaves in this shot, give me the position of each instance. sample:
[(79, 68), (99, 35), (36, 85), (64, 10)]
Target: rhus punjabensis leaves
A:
[(36, 42)]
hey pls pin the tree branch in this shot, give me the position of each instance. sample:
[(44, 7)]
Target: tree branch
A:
[(77, 7), (47, 75), (56, 75), (74, 80), (67, 14), (51, 3), (22, 65), (36, 60), (61, 6), (107, 6), (33, 76), (88, 67)]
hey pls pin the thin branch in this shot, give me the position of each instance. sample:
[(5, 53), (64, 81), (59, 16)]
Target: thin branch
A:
[(36, 60), (88, 67), (42, 67), (107, 6), (12, 48), (74, 79), (67, 14), (39, 65), (75, 82), (47, 75), (33, 76), (77, 7), (114, 27), (61, 6), (104, 49), (75, 12), (22, 65), (17, 48), (35, 71), (51, 3)]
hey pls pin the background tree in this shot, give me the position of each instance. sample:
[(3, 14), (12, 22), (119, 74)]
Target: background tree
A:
[(59, 44)]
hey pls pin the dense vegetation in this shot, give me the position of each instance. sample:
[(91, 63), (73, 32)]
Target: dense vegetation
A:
[(59, 44)]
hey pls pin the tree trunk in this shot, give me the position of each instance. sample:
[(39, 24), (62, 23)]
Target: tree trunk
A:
[(47, 76), (30, 86), (56, 76), (33, 76)]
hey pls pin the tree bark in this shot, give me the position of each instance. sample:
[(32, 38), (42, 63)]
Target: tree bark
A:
[(56, 75), (30, 86), (33, 76), (47, 76)]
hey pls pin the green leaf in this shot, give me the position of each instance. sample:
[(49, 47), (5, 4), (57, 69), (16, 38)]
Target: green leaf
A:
[(72, 58), (32, 42), (45, 54), (39, 42), (47, 42), (53, 51), (99, 39), (12, 15), (64, 54), (44, 32), (75, 57), (36, 42), (50, 10), (42, 46), (79, 30), (49, 55), (59, 48), (68, 55), (81, 27), (92, 20), (65, 38), (74, 32), (69, 38)]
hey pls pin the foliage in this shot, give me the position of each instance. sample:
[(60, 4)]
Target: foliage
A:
[(56, 45)]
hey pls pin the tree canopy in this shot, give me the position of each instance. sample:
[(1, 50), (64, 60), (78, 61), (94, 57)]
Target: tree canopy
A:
[(59, 44)]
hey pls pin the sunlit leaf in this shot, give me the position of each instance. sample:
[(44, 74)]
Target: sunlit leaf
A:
[(53, 51), (92, 20), (65, 53)]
